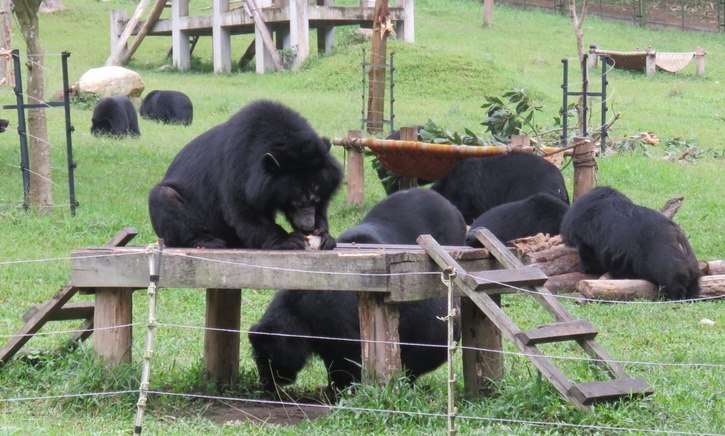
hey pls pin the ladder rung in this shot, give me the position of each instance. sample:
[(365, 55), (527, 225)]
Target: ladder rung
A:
[(610, 389), (83, 310), (558, 331), (508, 280)]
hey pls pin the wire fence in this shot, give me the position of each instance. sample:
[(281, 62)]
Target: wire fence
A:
[(708, 367), (697, 16)]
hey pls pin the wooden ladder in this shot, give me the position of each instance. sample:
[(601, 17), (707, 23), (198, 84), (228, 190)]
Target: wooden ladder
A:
[(566, 328), (57, 308)]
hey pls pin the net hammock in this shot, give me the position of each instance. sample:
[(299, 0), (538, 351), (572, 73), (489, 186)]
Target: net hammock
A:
[(637, 60), (422, 160)]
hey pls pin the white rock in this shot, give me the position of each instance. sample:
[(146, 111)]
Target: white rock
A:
[(111, 80)]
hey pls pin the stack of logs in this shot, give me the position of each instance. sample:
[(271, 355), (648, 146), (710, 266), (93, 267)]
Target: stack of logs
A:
[(563, 266)]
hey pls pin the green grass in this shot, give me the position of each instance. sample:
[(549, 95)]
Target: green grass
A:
[(443, 76)]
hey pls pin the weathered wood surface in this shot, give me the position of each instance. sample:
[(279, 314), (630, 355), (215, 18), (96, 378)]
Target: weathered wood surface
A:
[(624, 289), (355, 171), (715, 267), (483, 365), (589, 392), (712, 286), (396, 270), (112, 317), (221, 347), (82, 310), (565, 283), (380, 338), (558, 332)]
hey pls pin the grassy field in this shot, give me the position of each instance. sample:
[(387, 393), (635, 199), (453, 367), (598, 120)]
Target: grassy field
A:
[(444, 76)]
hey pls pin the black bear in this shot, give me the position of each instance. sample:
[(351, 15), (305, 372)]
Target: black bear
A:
[(613, 235), (539, 213), (4, 125), (225, 187), (115, 115), (389, 179), (171, 107), (279, 351), (475, 185)]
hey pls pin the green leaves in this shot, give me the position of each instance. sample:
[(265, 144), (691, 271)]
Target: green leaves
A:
[(502, 121)]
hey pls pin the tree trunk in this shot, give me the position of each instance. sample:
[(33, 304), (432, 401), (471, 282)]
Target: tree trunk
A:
[(41, 194), (6, 20)]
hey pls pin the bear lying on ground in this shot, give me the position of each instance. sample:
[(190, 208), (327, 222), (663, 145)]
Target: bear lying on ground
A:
[(539, 213), (115, 115), (398, 219), (225, 187), (613, 235), (475, 185), (172, 107)]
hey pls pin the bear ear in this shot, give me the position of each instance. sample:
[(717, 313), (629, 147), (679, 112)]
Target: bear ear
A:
[(271, 163)]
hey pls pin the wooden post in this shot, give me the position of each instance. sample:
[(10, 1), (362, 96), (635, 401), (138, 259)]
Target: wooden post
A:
[(325, 34), (117, 51), (355, 171), (180, 47), (700, 61), (266, 51), (593, 58), (221, 38), (221, 348), (118, 18), (520, 141), (408, 30), (377, 74), (408, 134), (299, 31), (651, 65), (487, 13), (113, 307), (481, 369), (584, 163), (152, 18), (380, 338)]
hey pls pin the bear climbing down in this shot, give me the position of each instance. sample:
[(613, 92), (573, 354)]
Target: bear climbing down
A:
[(171, 107), (225, 188), (613, 235), (539, 213), (115, 115), (281, 340), (477, 184)]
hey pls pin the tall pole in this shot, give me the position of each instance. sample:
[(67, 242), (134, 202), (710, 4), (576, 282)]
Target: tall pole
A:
[(376, 95)]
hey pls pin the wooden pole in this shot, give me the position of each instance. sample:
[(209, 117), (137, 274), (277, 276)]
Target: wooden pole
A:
[(700, 61), (113, 307), (123, 39), (651, 66), (380, 338), (261, 27), (481, 369), (154, 15), (221, 348), (376, 94), (408, 134), (487, 13), (355, 171), (584, 164)]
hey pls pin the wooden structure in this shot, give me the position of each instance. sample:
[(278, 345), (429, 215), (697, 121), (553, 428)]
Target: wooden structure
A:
[(57, 308), (650, 60), (289, 21), (373, 272)]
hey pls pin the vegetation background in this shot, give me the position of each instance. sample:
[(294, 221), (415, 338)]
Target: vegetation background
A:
[(444, 76)]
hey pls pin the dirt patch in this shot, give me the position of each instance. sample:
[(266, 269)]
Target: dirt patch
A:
[(229, 414)]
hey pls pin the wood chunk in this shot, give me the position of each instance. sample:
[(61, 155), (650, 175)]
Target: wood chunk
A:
[(558, 331), (566, 282), (712, 286), (609, 390), (621, 290)]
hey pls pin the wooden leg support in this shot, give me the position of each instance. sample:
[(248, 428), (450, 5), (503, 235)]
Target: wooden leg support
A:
[(481, 369), (380, 338), (113, 307), (221, 348)]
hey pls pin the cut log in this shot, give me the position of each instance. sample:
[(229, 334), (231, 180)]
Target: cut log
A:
[(715, 267), (566, 282), (556, 260), (712, 286), (536, 243), (621, 290)]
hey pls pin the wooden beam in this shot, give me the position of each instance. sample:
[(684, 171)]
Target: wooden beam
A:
[(125, 54), (380, 338), (483, 365), (355, 171), (112, 317), (264, 35), (221, 346), (117, 51)]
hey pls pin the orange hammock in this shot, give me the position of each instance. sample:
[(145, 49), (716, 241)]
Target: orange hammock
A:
[(422, 160)]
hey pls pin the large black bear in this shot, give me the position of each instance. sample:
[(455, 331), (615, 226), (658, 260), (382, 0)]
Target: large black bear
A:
[(115, 115), (613, 235), (475, 185), (399, 219), (539, 213), (172, 107), (225, 187)]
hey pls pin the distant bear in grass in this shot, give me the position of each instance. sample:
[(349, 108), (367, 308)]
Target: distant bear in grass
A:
[(539, 213), (475, 185), (171, 107), (225, 187), (613, 235), (115, 115), (399, 219)]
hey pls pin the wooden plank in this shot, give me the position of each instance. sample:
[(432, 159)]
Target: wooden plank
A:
[(69, 311), (112, 318), (590, 392), (483, 365), (84, 331), (355, 171), (559, 331), (380, 338), (221, 347), (491, 281)]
